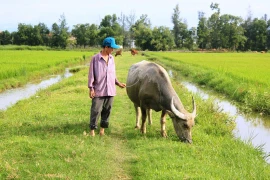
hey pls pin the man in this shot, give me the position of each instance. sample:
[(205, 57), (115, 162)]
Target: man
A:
[(101, 83)]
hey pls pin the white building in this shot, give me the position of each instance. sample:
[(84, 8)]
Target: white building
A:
[(132, 43)]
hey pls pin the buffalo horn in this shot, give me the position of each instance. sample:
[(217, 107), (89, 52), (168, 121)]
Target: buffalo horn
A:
[(176, 112), (194, 108)]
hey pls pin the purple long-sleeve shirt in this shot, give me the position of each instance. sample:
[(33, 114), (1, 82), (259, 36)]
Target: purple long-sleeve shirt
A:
[(102, 77)]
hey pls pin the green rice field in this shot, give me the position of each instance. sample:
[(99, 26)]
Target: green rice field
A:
[(254, 67), (18, 67), (244, 77)]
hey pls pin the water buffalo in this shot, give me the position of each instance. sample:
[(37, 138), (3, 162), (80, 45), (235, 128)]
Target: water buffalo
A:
[(149, 87), (118, 52), (133, 52)]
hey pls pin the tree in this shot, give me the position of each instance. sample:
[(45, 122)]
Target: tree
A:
[(92, 33), (24, 35), (86, 34), (63, 31), (110, 27), (55, 34), (142, 32), (36, 37), (258, 35), (5, 38), (203, 32), (79, 32), (268, 34), (189, 40), (231, 33), (32, 36), (44, 33), (247, 30), (162, 39), (60, 33), (126, 22), (214, 26), (180, 31), (130, 21)]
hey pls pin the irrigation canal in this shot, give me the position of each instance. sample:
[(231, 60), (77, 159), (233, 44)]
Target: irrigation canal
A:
[(10, 97), (250, 128)]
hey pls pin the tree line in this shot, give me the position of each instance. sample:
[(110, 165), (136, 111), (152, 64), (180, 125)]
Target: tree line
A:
[(216, 32)]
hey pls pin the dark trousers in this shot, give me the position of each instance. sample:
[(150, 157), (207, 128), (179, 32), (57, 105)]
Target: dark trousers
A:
[(100, 106)]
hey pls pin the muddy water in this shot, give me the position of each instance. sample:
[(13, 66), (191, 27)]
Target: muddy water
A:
[(251, 128), (10, 97)]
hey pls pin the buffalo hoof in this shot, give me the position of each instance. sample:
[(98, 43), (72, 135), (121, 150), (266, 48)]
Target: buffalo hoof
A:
[(143, 131), (164, 134)]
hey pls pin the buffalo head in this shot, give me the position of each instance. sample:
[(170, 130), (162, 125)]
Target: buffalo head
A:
[(183, 122)]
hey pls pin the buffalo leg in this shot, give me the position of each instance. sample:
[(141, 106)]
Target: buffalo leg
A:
[(162, 123), (143, 127), (138, 116), (149, 115)]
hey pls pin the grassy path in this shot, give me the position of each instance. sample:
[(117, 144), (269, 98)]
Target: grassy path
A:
[(44, 138)]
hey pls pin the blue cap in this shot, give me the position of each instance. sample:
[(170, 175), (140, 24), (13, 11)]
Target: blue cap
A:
[(110, 42)]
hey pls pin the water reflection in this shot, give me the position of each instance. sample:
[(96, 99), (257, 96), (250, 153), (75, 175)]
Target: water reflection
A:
[(249, 128), (10, 97)]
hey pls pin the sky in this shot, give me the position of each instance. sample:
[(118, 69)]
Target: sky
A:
[(33, 12)]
